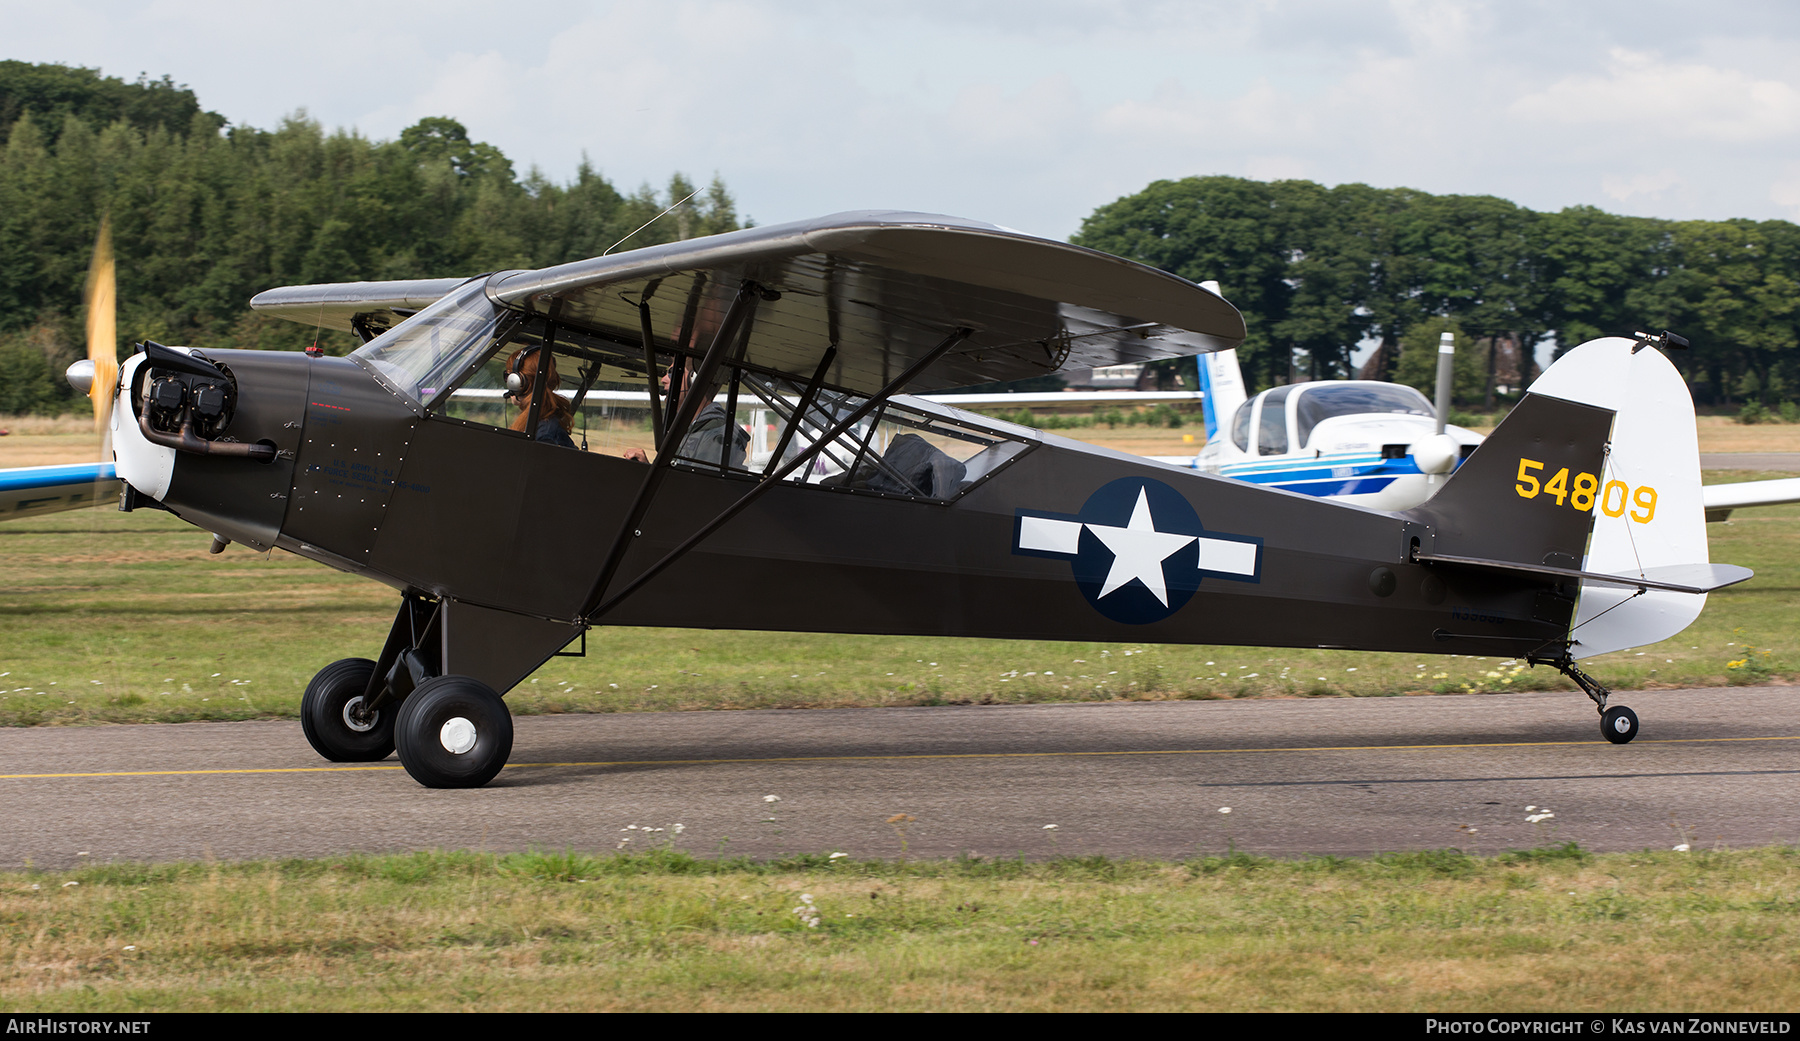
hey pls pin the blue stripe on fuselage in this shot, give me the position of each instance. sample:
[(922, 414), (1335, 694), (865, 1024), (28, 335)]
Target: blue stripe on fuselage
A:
[(1326, 476)]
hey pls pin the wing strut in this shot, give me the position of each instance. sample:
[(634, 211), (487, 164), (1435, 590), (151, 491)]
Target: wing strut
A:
[(650, 372), (679, 420), (594, 608)]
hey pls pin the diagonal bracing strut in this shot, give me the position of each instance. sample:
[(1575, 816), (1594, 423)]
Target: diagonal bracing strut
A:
[(594, 607)]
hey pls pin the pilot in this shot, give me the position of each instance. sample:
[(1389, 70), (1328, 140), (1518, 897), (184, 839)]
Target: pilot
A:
[(705, 439), (555, 418)]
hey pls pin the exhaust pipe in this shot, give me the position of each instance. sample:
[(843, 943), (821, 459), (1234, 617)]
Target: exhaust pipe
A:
[(186, 396)]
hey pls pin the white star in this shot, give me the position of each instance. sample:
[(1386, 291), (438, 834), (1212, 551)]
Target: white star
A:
[(1139, 550)]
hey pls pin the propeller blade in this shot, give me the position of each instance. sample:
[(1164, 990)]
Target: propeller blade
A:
[(102, 327), (1446, 375)]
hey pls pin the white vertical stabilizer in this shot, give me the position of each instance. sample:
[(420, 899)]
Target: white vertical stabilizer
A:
[(1647, 505)]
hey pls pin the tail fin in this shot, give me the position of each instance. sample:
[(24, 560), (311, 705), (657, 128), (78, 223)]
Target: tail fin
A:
[(1648, 513), (1223, 387), (1597, 471)]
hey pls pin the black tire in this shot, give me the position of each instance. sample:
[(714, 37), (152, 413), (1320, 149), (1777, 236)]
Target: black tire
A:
[(1619, 724), (453, 732), (325, 715)]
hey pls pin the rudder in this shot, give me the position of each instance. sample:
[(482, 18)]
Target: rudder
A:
[(1596, 470)]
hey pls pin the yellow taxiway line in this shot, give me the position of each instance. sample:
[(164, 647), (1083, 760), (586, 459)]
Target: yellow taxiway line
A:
[(920, 755)]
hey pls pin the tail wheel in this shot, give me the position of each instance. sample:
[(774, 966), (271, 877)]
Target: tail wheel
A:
[(453, 732), (1619, 724), (332, 715)]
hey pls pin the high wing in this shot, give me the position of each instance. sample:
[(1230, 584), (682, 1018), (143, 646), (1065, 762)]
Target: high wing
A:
[(365, 308), (884, 287)]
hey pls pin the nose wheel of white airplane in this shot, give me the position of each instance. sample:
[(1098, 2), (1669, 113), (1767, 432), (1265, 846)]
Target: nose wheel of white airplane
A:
[(336, 719), (453, 732), (1619, 724)]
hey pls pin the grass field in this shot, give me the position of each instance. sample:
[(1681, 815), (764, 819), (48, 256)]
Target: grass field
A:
[(1548, 929)]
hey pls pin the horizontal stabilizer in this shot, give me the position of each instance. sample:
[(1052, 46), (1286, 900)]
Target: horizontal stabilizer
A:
[(1720, 499), (1676, 578)]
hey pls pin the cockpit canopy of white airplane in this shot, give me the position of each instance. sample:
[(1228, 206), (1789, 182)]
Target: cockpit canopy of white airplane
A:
[(1291, 418)]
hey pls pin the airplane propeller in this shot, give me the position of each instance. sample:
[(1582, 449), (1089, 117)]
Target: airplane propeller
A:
[(97, 375), (102, 328)]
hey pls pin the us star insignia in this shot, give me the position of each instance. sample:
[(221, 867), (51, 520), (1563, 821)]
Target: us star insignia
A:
[(1138, 549)]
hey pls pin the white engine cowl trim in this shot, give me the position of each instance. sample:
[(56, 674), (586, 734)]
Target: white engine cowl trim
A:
[(147, 467)]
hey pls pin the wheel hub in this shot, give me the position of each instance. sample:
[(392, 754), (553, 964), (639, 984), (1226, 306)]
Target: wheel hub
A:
[(1622, 724), (457, 736), (356, 719)]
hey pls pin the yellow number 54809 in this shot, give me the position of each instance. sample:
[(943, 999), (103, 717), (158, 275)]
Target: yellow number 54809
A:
[(1584, 492)]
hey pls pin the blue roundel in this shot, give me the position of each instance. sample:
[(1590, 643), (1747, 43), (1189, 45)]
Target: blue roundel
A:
[(1131, 599), (1138, 549)]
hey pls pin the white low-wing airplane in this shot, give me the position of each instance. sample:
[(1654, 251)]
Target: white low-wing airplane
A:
[(1380, 445)]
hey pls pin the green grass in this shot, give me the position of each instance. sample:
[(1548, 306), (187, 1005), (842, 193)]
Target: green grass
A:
[(1553, 929), (109, 617)]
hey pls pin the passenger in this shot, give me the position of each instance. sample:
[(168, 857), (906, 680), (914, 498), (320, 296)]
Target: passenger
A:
[(705, 439), (555, 417)]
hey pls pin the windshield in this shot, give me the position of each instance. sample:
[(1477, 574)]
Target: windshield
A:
[(1325, 401), (422, 354)]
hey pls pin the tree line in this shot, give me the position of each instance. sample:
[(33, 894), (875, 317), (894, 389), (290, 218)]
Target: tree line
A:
[(1318, 270), (205, 215)]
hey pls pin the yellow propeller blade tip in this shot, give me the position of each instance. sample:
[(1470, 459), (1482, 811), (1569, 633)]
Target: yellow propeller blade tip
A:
[(102, 326)]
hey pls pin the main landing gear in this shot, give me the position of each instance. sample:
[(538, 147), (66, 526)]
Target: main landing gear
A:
[(453, 732), (1617, 724), (450, 731), (336, 716)]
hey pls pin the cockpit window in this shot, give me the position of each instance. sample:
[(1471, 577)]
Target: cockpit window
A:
[(594, 397), (422, 354), (1240, 426), (1323, 401), (1271, 431)]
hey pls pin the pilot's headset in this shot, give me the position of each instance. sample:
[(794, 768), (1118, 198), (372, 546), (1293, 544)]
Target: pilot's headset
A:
[(516, 385)]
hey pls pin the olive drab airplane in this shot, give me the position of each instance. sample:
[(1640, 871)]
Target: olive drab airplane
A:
[(470, 456)]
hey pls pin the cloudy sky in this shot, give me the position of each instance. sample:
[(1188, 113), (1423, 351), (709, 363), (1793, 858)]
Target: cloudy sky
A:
[(1025, 114)]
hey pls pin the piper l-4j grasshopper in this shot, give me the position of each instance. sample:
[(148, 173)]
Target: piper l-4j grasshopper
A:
[(448, 459)]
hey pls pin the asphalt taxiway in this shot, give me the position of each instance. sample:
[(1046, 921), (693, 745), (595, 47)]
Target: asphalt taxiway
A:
[(1343, 776)]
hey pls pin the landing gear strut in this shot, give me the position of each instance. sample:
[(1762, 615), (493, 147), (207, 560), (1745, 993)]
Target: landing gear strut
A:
[(450, 731), (1617, 724)]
